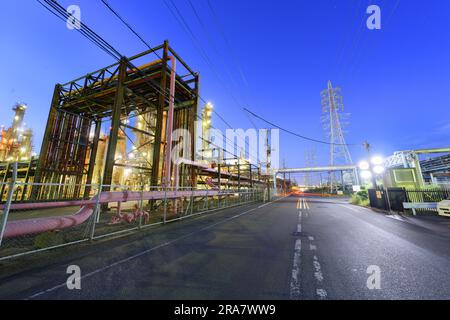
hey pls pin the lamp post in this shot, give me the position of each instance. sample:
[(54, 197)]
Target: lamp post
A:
[(374, 180), (371, 167)]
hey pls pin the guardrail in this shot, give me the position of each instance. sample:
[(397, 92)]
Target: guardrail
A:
[(27, 228), (419, 205)]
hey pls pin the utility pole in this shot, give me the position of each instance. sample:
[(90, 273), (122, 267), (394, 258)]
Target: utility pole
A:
[(284, 177), (268, 165)]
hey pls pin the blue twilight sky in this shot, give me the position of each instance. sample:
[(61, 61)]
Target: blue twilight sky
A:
[(274, 56)]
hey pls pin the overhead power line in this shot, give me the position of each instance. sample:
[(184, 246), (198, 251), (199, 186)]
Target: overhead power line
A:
[(294, 133), (176, 12), (203, 53), (56, 9)]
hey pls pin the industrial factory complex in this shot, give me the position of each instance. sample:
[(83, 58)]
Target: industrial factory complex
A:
[(114, 127), (232, 150)]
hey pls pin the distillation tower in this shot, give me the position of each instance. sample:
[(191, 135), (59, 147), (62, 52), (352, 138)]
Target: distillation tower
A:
[(16, 141)]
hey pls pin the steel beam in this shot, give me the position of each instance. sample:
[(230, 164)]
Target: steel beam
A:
[(192, 126), (46, 140), (115, 125), (92, 157), (318, 169), (159, 118)]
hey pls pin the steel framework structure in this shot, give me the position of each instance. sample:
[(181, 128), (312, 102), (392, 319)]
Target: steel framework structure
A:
[(114, 94)]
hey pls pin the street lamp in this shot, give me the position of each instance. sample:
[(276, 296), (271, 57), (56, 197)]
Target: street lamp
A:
[(366, 174), (370, 169), (378, 169), (377, 164), (364, 165)]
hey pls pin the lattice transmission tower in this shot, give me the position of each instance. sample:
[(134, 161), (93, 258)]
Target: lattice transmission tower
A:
[(334, 122)]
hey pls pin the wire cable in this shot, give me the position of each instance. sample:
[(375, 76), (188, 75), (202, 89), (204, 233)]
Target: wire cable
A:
[(296, 134), (189, 30)]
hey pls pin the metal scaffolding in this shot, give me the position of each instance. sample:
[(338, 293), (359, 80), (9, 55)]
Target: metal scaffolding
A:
[(113, 95)]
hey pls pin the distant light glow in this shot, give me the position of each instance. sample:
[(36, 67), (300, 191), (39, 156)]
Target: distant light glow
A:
[(364, 165)]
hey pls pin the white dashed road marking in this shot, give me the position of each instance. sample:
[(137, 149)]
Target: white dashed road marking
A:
[(295, 278)]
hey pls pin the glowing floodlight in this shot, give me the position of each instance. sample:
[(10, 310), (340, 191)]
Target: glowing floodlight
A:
[(377, 160), (364, 165), (366, 174), (378, 169)]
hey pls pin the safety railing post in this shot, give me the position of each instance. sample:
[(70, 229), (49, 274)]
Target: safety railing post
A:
[(8, 201), (192, 200), (96, 216), (165, 205), (141, 205)]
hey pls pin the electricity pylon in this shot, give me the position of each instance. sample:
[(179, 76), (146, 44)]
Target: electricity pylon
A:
[(333, 115)]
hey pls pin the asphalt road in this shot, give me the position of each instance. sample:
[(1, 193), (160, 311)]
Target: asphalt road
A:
[(293, 248)]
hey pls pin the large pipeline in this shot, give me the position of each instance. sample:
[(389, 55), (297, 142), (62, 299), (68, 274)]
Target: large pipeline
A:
[(38, 225)]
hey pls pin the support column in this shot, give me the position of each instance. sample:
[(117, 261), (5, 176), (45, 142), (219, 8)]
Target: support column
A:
[(92, 158), (355, 172), (239, 175), (192, 119), (115, 125), (46, 141), (159, 117)]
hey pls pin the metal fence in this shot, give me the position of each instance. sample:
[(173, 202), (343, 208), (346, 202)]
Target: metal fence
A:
[(427, 195), (393, 198), (110, 210)]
